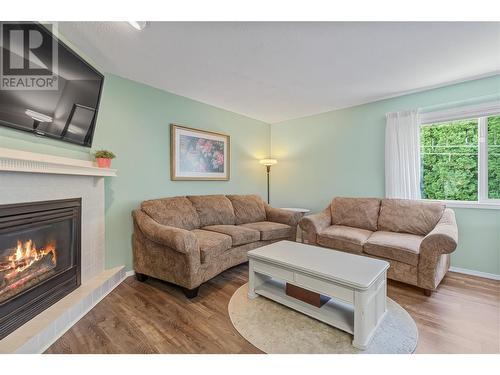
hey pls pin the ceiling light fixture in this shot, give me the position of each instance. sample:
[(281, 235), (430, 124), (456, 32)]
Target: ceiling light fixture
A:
[(138, 25)]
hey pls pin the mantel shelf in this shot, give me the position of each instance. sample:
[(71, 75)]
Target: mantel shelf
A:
[(31, 162)]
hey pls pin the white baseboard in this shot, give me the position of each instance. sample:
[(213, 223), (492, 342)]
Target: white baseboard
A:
[(465, 271), (475, 273)]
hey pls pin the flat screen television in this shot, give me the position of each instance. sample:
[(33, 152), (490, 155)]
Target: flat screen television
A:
[(46, 88)]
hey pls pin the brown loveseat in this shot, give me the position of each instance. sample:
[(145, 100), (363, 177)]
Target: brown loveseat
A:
[(415, 237), (189, 240)]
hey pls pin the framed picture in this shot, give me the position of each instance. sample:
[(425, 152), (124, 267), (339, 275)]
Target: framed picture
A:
[(198, 154)]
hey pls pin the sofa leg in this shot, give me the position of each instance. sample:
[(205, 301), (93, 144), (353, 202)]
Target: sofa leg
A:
[(190, 293), (428, 292), (141, 277)]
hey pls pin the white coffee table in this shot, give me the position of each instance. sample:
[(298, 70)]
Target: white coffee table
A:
[(357, 284)]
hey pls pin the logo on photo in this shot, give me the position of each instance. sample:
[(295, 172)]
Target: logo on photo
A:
[(28, 56)]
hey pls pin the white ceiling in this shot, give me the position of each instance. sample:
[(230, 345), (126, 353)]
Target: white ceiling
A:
[(279, 71)]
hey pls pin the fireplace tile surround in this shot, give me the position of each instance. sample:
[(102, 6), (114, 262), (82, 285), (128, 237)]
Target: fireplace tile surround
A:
[(32, 187), (30, 177)]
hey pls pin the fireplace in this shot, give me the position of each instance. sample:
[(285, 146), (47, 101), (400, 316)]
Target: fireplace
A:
[(39, 258)]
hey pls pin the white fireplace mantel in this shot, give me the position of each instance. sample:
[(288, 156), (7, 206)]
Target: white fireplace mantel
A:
[(25, 161)]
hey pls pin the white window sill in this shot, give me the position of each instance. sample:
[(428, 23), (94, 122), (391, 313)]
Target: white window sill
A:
[(493, 205)]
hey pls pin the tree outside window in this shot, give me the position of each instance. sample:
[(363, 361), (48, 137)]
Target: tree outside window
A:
[(450, 159)]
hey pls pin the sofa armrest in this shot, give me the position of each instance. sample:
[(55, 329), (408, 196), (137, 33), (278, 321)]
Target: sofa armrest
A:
[(177, 239), (443, 239), (434, 259), (279, 215), (313, 224)]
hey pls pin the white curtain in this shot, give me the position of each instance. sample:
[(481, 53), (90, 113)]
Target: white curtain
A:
[(402, 155)]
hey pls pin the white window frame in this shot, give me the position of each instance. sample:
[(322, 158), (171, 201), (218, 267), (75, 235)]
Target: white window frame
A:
[(481, 112)]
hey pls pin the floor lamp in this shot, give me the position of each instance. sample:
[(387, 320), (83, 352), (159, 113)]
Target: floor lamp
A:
[(268, 163)]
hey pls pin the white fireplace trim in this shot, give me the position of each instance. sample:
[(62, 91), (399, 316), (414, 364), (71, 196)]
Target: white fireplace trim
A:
[(18, 187), (24, 161)]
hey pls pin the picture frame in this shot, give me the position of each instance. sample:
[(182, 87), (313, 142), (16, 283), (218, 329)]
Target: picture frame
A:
[(197, 154)]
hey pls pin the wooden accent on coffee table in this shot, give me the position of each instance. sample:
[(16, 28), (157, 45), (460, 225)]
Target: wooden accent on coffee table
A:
[(305, 295)]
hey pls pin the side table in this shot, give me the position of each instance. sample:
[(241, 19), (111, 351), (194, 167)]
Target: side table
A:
[(303, 211)]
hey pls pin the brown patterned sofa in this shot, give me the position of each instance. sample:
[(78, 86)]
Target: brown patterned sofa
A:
[(415, 237), (189, 240)]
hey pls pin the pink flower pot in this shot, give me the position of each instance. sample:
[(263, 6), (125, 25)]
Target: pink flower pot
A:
[(103, 162)]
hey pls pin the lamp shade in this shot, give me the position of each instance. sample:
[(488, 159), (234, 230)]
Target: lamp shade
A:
[(268, 162)]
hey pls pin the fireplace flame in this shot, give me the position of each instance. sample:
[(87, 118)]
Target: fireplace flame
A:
[(24, 264), (26, 254)]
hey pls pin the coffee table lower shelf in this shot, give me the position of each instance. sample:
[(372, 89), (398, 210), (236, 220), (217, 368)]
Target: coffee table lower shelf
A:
[(334, 312)]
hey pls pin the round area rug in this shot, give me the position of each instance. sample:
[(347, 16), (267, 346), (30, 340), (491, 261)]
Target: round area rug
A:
[(277, 329)]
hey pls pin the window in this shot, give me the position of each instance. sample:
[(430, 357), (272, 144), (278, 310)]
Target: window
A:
[(460, 154), (449, 153)]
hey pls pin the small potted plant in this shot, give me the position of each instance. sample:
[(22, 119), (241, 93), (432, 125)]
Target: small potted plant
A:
[(103, 158)]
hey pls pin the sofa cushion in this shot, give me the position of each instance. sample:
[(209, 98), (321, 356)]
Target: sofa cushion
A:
[(343, 238), (356, 212), (176, 212), (212, 244), (409, 216), (239, 234), (213, 209), (248, 208), (402, 247), (270, 230)]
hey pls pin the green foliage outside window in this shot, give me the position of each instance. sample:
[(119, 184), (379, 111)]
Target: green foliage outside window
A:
[(449, 160), (449, 154), (494, 157)]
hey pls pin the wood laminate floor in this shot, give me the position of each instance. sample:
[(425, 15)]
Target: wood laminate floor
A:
[(463, 316)]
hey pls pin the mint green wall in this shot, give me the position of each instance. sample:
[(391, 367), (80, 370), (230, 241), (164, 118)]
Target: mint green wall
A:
[(342, 153), (335, 153), (134, 123)]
